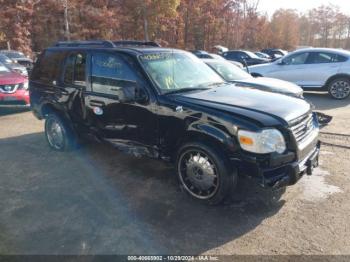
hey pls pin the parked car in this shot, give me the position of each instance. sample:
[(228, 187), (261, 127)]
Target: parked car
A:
[(13, 88), (217, 57), (263, 55), (168, 104), (232, 73), (219, 49), (206, 55), (10, 64), (274, 52), (19, 57), (312, 69), (244, 57)]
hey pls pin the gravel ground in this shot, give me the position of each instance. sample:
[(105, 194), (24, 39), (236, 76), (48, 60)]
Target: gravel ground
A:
[(99, 201)]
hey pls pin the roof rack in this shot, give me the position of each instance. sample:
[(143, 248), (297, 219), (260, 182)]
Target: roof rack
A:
[(103, 43), (136, 43), (106, 43)]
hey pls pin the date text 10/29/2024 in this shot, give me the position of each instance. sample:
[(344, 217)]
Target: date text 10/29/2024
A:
[(173, 258)]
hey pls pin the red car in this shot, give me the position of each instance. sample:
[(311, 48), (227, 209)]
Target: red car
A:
[(13, 88)]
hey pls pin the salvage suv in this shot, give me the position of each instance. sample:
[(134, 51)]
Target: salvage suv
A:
[(168, 104)]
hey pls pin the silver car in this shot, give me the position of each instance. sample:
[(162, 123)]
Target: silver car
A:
[(232, 73), (312, 69)]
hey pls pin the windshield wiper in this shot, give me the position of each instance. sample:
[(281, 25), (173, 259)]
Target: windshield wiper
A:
[(188, 89), (216, 84)]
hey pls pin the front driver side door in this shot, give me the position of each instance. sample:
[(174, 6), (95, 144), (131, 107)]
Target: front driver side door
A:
[(293, 69), (126, 124)]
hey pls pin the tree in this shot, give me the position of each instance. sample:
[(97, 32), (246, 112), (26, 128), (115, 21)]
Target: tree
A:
[(285, 28)]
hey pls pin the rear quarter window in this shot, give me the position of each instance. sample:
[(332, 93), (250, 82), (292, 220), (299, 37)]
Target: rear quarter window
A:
[(340, 58), (48, 66)]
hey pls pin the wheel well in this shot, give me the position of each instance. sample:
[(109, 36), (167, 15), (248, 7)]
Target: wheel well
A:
[(199, 137), (335, 77)]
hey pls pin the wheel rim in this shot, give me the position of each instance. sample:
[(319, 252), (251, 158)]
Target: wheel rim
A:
[(340, 89), (55, 134), (198, 174)]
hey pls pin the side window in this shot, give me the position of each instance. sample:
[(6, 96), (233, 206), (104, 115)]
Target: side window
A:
[(110, 72), (323, 57), (298, 59), (47, 68), (232, 55), (340, 59), (75, 69), (243, 55)]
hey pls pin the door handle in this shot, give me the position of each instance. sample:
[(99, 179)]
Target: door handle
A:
[(96, 103)]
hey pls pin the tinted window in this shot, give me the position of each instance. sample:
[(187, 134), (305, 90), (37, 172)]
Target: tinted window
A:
[(340, 58), (231, 55), (75, 69), (69, 69), (109, 72), (48, 67), (297, 59), (324, 57)]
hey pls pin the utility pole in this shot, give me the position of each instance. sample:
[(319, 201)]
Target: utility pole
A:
[(66, 22)]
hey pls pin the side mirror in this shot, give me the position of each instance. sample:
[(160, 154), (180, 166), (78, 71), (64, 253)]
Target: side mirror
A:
[(281, 62)]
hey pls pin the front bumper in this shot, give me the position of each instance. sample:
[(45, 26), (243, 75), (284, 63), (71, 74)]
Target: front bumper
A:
[(285, 174), (20, 97)]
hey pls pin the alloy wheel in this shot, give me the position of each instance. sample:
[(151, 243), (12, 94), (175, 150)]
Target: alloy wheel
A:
[(340, 89)]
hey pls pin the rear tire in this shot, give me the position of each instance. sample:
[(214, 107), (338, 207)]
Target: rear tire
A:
[(204, 173), (58, 134), (339, 88)]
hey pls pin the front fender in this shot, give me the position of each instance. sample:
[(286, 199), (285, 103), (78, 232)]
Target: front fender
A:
[(217, 133)]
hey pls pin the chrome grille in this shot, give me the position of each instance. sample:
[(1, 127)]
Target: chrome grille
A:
[(8, 89), (302, 127)]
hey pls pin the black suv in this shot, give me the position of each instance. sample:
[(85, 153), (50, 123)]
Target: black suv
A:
[(168, 104)]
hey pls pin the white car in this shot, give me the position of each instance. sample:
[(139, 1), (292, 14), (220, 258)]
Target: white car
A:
[(313, 69)]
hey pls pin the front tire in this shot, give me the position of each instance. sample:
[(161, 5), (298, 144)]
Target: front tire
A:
[(58, 134), (339, 88), (204, 174)]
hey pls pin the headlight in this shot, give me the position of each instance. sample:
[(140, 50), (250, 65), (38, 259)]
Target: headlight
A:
[(263, 142)]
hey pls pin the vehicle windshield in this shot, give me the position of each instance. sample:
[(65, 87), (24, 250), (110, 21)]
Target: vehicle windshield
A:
[(4, 59), (251, 54), (15, 55), (178, 71), (228, 71), (3, 69)]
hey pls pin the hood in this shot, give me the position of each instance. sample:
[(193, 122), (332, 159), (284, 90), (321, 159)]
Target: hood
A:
[(249, 99), (260, 66), (11, 78), (272, 85)]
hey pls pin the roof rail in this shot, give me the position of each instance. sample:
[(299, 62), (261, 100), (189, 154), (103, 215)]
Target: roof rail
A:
[(103, 43), (136, 43)]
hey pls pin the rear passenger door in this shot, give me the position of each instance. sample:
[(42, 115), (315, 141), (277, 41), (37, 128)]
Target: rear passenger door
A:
[(73, 85), (321, 66), (119, 122)]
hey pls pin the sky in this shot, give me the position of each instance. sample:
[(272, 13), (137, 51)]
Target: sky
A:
[(269, 6)]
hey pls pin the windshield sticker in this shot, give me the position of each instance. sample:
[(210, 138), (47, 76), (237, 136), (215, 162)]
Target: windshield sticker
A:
[(159, 56)]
